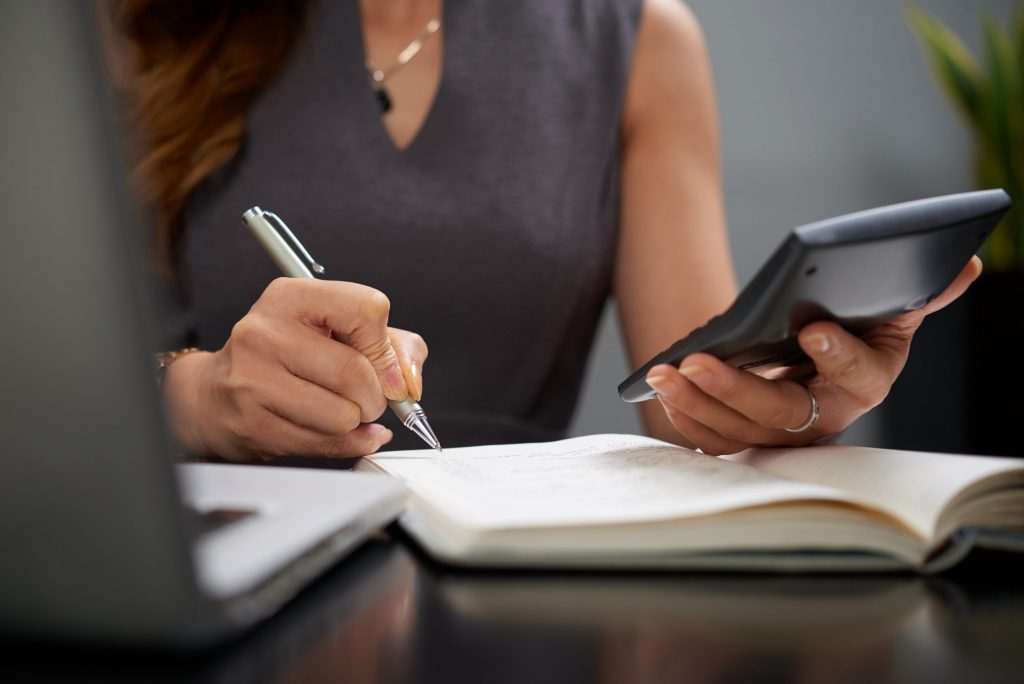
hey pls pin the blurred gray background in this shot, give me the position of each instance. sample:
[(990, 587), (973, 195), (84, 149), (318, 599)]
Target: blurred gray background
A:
[(826, 107)]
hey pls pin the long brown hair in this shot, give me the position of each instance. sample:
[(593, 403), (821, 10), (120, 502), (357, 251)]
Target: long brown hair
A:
[(192, 70)]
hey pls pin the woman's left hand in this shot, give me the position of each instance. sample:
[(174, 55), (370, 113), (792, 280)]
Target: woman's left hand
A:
[(723, 410)]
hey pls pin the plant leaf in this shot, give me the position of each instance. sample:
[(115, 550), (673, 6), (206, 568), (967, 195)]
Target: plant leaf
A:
[(1002, 108), (1020, 44), (1003, 112), (1016, 217), (953, 66), (989, 173)]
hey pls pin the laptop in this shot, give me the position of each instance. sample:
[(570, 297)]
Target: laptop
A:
[(106, 534)]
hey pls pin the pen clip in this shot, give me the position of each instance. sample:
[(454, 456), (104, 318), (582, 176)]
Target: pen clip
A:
[(289, 236)]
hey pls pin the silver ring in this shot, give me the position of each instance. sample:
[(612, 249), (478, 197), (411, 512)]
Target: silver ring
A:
[(813, 418)]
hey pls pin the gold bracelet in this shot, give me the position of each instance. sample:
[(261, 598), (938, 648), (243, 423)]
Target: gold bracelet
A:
[(165, 359)]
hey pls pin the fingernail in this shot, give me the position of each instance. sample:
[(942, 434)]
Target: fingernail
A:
[(698, 374), (379, 432), (394, 384), (417, 382), (818, 342), (663, 385)]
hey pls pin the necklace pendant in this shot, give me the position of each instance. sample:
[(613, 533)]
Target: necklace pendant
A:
[(378, 76), (383, 99)]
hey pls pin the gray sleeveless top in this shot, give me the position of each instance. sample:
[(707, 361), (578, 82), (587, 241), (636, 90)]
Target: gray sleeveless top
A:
[(493, 233)]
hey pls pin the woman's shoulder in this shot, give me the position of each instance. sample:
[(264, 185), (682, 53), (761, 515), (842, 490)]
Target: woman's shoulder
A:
[(671, 19), (670, 62), (670, 36)]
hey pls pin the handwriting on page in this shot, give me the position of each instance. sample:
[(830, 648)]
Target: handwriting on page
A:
[(627, 472), (591, 481)]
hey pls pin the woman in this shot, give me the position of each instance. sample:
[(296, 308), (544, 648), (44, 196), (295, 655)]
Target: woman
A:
[(496, 170)]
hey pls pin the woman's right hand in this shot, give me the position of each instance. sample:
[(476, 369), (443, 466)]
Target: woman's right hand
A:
[(282, 386)]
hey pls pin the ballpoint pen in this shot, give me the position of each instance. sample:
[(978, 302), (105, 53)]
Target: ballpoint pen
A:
[(295, 262)]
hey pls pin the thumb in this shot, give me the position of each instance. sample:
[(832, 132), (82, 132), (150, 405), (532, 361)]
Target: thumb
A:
[(369, 336), (412, 352)]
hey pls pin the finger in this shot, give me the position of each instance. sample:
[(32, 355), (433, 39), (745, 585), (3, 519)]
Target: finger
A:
[(702, 437), (893, 339), (311, 406), (907, 324), (412, 354), (278, 437), (959, 285), (773, 404), (355, 313), (686, 397), (334, 366), (863, 370), (363, 441)]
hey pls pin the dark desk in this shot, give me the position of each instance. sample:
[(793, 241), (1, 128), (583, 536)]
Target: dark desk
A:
[(388, 614)]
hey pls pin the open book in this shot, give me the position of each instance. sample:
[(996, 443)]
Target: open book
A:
[(623, 501)]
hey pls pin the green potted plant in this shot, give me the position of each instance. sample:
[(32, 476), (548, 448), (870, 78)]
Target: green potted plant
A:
[(989, 96), (988, 93)]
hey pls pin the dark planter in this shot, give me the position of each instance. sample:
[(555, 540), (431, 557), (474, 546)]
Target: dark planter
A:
[(962, 389), (926, 407), (994, 383)]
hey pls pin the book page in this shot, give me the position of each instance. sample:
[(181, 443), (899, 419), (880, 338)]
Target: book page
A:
[(586, 480), (912, 485)]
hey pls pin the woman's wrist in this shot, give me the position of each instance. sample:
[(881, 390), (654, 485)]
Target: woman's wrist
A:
[(164, 360), (182, 385)]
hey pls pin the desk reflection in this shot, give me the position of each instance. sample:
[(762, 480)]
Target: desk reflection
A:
[(389, 614)]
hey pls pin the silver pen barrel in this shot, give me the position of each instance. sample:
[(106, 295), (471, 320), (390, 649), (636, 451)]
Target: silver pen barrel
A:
[(275, 245), (413, 417)]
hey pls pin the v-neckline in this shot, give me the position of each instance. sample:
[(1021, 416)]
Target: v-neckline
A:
[(369, 100)]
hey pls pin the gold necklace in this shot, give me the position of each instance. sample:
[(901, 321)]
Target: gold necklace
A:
[(378, 77)]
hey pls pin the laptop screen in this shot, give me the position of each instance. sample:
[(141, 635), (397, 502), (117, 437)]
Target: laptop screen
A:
[(90, 507)]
